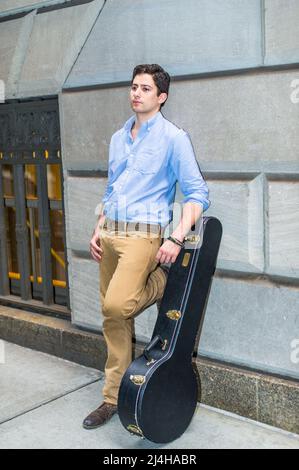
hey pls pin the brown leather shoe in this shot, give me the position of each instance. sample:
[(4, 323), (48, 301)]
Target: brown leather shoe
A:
[(100, 416)]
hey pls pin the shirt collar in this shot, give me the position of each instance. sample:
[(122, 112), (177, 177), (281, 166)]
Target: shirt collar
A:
[(147, 125)]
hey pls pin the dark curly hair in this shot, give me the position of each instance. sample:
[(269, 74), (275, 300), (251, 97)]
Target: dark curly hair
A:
[(160, 77)]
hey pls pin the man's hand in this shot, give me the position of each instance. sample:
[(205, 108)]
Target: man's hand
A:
[(95, 247), (168, 252)]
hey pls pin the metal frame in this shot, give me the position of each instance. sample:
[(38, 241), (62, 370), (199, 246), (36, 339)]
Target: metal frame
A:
[(4, 281), (22, 232), (30, 134)]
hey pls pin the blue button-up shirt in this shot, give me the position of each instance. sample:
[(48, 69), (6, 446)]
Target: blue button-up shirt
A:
[(142, 173)]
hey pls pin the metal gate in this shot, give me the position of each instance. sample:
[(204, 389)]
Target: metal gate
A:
[(32, 230)]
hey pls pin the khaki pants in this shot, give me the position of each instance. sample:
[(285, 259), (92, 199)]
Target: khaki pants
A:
[(130, 281)]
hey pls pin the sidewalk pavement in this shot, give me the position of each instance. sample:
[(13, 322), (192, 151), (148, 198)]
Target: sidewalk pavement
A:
[(44, 400)]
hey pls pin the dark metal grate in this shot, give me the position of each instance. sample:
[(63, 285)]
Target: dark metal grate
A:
[(30, 138)]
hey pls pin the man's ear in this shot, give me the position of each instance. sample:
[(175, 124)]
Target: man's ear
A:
[(162, 97)]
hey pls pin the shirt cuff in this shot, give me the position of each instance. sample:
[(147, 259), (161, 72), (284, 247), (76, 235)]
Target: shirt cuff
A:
[(204, 204)]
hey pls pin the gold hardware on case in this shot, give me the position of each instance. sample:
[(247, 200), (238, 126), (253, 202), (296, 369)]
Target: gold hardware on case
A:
[(137, 379), (134, 429), (192, 238), (186, 260), (174, 314), (151, 362), (164, 345)]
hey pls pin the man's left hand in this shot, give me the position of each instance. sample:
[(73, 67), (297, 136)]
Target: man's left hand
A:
[(168, 252)]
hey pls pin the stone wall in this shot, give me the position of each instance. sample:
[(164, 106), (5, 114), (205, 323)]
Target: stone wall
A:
[(9, 7), (235, 90), (251, 168), (244, 127), (38, 50)]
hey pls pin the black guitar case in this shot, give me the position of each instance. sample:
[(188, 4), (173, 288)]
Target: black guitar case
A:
[(159, 391)]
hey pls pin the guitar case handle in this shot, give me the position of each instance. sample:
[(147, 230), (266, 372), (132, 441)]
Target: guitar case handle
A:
[(157, 339)]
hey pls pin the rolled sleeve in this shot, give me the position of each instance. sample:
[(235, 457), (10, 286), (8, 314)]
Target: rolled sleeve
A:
[(187, 171)]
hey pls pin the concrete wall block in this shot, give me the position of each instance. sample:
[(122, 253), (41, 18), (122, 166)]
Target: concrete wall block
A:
[(10, 5), (252, 324), (232, 120), (259, 333), (145, 323), (281, 32), (239, 206), (84, 283), (86, 306), (240, 119), (185, 37), (84, 196), (88, 120), (55, 42), (9, 34), (283, 227)]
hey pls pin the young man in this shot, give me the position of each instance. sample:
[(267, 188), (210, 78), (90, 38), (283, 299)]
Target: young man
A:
[(146, 159)]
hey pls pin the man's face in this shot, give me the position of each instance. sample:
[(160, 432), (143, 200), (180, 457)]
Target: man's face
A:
[(144, 94)]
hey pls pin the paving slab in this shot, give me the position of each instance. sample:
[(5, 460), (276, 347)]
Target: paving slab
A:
[(46, 399), (29, 379)]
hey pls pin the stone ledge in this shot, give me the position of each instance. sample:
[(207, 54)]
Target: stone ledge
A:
[(53, 336), (261, 397), (255, 395)]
